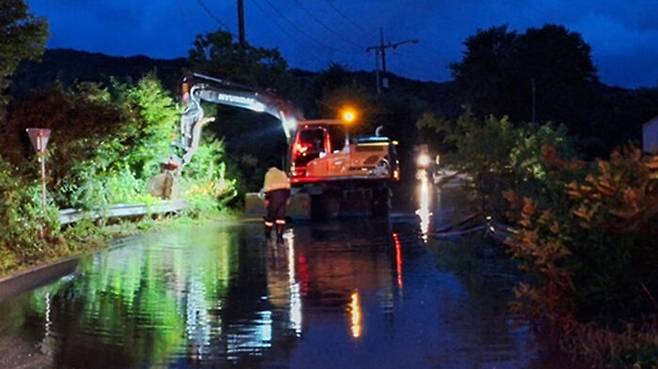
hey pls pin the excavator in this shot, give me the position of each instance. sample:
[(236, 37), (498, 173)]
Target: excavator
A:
[(331, 173)]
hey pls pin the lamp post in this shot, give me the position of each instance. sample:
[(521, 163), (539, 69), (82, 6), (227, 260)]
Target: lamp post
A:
[(348, 116)]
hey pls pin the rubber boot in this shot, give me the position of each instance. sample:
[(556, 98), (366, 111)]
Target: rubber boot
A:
[(268, 233), (279, 233)]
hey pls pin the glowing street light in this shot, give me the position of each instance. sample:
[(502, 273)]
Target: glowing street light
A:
[(348, 115)]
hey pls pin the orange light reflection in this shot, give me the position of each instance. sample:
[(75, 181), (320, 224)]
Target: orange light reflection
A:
[(356, 315), (398, 258)]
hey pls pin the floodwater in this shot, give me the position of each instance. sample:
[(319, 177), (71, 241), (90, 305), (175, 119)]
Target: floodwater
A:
[(348, 294)]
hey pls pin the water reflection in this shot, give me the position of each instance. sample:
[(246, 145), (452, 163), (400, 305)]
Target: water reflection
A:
[(424, 210), (293, 285), (222, 297), (398, 259), (356, 319)]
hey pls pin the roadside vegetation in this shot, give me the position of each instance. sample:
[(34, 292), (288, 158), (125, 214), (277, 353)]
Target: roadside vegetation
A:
[(580, 195), (106, 144), (545, 142), (586, 232)]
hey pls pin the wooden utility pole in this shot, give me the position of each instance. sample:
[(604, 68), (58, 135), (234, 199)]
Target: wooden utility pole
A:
[(380, 52), (243, 39), (383, 50), (534, 100)]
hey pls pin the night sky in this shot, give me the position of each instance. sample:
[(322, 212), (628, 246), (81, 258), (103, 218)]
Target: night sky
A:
[(313, 33)]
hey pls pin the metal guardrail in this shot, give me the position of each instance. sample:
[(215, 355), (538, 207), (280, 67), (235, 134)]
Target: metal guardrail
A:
[(68, 216)]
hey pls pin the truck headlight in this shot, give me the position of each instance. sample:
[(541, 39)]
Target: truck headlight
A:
[(423, 160)]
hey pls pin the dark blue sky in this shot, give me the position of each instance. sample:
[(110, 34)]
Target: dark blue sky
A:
[(623, 34)]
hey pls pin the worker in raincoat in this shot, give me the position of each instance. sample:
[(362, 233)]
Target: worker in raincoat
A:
[(277, 193)]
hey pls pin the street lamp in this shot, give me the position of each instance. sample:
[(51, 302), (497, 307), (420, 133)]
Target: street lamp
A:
[(348, 116)]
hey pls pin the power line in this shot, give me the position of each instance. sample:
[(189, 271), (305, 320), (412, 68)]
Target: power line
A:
[(344, 16), (292, 35), (213, 16), (325, 26), (299, 29), (380, 50)]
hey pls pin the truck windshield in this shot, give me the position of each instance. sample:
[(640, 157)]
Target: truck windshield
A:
[(312, 140)]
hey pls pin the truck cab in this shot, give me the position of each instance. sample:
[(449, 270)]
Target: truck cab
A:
[(322, 150)]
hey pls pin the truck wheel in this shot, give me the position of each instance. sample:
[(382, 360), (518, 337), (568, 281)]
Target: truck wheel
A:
[(381, 202), (325, 206)]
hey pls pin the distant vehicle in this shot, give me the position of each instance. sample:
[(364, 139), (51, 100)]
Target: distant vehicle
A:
[(325, 165)]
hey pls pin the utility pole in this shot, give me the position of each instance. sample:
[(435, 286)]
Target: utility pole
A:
[(379, 86), (243, 39), (380, 52), (383, 50), (534, 100)]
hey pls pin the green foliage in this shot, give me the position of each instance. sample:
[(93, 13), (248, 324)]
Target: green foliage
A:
[(23, 220), (206, 186), (582, 249), (580, 229), (106, 142), (157, 122), (23, 37), (499, 156), (105, 146), (218, 54)]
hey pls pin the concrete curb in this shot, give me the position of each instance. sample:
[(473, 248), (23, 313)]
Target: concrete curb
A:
[(38, 276)]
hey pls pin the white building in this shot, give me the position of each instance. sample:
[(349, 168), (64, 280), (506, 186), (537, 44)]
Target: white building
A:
[(650, 136)]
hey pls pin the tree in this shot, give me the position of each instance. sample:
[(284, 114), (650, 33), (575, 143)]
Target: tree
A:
[(23, 37), (559, 63), (500, 69), (485, 76), (313, 94), (218, 54)]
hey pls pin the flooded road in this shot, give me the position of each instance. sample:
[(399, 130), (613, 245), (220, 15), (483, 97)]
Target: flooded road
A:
[(350, 294)]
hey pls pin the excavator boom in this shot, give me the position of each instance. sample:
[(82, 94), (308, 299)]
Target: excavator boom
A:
[(326, 167), (198, 88)]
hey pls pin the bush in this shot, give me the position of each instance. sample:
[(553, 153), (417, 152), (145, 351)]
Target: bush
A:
[(108, 142), (205, 185), (587, 232), (582, 251), (105, 146), (499, 156), (23, 221)]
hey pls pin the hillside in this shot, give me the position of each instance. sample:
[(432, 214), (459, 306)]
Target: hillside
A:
[(69, 66)]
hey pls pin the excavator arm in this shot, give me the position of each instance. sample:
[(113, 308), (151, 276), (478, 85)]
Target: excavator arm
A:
[(199, 88)]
